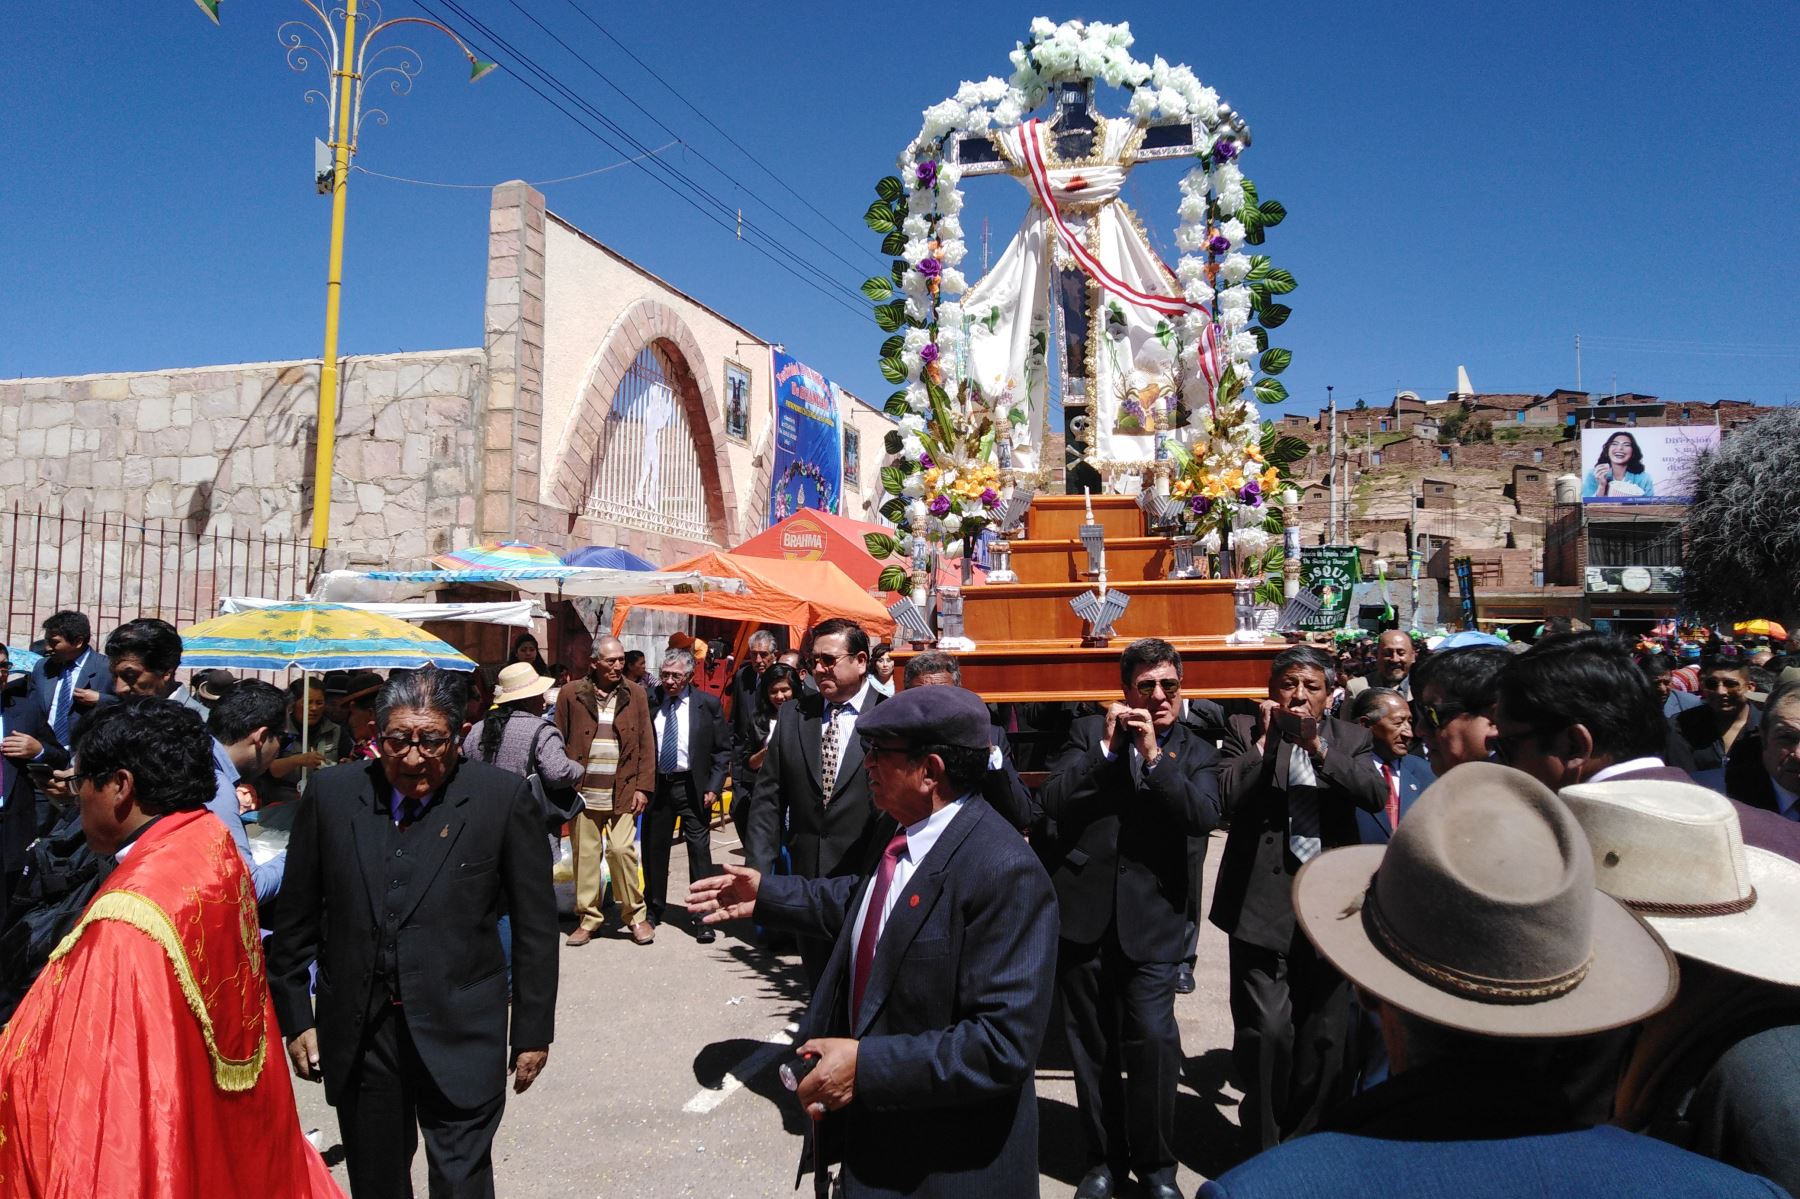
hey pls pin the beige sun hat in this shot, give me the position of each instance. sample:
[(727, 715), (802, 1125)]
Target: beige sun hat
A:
[(520, 680), (1674, 853), (1482, 915)]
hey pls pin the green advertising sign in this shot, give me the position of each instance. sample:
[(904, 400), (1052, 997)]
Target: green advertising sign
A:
[(1332, 572)]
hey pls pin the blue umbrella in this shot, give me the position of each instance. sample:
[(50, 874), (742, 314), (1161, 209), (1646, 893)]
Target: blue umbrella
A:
[(607, 556), (24, 661), (1467, 638)]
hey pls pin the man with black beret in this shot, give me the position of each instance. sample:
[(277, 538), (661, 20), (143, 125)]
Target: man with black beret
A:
[(923, 1033)]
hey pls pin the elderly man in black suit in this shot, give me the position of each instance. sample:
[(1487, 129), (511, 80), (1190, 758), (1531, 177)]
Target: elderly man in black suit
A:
[(24, 733), (813, 794), (397, 873), (924, 1030), (693, 747), (760, 652), (1113, 830), (1294, 781)]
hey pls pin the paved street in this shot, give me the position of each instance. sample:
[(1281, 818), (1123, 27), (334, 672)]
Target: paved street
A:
[(662, 1079)]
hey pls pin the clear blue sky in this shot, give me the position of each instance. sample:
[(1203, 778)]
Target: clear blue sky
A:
[(1466, 184)]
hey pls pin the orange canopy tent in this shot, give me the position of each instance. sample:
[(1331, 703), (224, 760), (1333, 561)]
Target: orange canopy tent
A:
[(811, 536), (795, 593)]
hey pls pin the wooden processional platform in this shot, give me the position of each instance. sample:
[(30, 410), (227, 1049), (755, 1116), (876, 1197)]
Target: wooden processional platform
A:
[(1028, 640)]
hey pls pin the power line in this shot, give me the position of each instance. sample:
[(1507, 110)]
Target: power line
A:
[(674, 91), (482, 187), (618, 130), (550, 81)]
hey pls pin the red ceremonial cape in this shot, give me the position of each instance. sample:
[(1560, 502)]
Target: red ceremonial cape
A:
[(145, 1060)]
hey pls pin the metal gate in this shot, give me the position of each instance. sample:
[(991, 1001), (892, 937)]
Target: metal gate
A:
[(113, 570), (646, 470)]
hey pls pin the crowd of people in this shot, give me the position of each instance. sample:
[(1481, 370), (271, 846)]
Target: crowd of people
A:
[(1500, 919)]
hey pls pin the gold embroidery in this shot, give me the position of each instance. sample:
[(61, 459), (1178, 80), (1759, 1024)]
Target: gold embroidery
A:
[(147, 917)]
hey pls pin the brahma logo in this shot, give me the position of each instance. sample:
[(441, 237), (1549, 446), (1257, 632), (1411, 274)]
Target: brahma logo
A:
[(803, 539)]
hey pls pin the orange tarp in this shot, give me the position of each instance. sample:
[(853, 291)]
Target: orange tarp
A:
[(797, 594), (811, 536)]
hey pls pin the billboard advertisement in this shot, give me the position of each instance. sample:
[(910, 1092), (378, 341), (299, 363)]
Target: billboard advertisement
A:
[(1642, 466), (808, 470)]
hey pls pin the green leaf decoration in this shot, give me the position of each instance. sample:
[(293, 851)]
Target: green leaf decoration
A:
[(890, 188), (893, 243), (891, 478), (1271, 212), (1287, 449), (1259, 267), (894, 510), (1249, 193), (892, 369), (1274, 361), (895, 404), (890, 317), (880, 217), (1273, 316), (1271, 391), (1261, 336), (992, 319), (893, 578), (891, 347), (881, 545), (1280, 282), (1165, 334), (891, 443), (878, 288), (940, 413)]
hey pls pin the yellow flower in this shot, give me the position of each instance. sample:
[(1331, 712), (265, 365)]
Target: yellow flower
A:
[(1271, 479)]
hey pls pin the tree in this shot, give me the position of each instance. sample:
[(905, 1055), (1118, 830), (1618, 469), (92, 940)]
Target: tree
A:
[(1743, 540)]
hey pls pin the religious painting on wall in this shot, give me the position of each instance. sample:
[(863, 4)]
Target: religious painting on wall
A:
[(737, 401), (808, 470), (852, 455)]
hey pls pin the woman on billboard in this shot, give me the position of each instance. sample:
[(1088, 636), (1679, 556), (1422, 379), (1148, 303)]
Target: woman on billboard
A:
[(1619, 473)]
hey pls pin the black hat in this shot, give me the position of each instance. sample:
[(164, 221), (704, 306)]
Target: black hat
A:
[(929, 716), (211, 685)]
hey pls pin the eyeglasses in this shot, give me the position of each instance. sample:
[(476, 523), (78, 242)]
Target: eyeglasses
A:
[(432, 746), (1437, 717), (823, 661), (1506, 745), (1149, 687), (92, 776), (874, 753)]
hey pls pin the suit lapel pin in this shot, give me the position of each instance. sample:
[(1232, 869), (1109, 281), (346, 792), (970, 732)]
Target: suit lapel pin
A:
[(444, 832), (913, 902)]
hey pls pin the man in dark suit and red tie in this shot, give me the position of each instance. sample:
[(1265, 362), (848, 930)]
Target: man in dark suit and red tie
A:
[(924, 1031), (1405, 775), (812, 794), (693, 747)]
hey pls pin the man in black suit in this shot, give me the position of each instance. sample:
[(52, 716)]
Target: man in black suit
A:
[(760, 652), (397, 873), (1002, 787), (71, 681), (1115, 820), (1765, 764), (812, 783), (1294, 780), (693, 747), (23, 734), (925, 1027)]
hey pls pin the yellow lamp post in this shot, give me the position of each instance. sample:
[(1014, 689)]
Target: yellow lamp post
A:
[(351, 67)]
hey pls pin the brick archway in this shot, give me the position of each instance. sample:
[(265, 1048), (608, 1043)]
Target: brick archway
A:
[(647, 322)]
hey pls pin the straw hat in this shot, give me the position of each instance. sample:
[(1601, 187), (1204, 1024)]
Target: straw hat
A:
[(520, 680), (1675, 854), (1481, 915)]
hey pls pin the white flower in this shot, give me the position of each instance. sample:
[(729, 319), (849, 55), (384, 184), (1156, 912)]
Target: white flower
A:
[(949, 227), (1251, 540), (1198, 292), (952, 251), (950, 202), (952, 283), (1234, 301), (912, 423), (1242, 347), (1209, 542), (940, 119), (916, 226), (952, 522), (953, 549), (917, 509), (911, 447), (1204, 104), (1043, 27), (917, 309), (1190, 268), (1233, 232), (1193, 208), (950, 316), (914, 338), (1143, 104), (911, 363), (1191, 236), (1159, 72), (1234, 269), (1171, 102), (918, 399), (915, 251), (1008, 112)]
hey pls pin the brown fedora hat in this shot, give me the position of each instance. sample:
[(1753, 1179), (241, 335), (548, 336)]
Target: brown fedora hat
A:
[(1482, 915)]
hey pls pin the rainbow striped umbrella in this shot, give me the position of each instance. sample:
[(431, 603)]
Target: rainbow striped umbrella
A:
[(499, 556), (314, 636)]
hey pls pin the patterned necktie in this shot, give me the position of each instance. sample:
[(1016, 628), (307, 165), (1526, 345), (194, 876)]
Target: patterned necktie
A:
[(828, 751), (665, 753), (872, 919), (1393, 800), (62, 706)]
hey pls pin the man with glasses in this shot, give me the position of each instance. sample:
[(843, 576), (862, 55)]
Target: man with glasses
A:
[(398, 870), (1112, 829), (1294, 782), (1456, 690), (812, 794), (692, 748), (760, 652)]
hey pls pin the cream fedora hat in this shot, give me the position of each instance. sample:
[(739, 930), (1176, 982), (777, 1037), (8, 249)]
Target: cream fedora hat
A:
[(519, 680), (1675, 854)]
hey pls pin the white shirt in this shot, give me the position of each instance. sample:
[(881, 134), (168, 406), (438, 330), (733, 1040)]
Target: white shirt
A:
[(62, 696), (683, 714), (920, 838), (845, 717)]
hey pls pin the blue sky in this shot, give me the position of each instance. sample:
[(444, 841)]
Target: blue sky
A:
[(1467, 184)]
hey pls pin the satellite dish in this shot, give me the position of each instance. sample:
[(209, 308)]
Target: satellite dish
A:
[(1634, 578)]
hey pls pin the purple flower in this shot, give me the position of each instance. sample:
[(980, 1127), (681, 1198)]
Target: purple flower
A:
[(990, 498), (928, 352), (1224, 150), (925, 462), (940, 505), (927, 174), (1217, 244), (1251, 493), (931, 268), (1200, 505)]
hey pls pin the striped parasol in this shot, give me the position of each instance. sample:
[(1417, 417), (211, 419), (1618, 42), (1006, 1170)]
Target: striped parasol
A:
[(503, 560), (314, 636)]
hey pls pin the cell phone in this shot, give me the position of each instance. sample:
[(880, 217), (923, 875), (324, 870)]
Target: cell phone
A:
[(40, 773), (792, 1072), (1297, 728)]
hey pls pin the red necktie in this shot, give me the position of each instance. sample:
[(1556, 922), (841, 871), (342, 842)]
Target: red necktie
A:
[(1393, 803), (871, 925)]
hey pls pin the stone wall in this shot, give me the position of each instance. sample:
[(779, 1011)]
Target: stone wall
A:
[(229, 449)]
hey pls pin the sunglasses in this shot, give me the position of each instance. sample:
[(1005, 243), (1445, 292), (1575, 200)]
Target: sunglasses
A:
[(1437, 717), (431, 746), (823, 661), (1149, 687)]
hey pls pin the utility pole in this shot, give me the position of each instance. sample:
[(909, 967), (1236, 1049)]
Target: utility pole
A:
[(1578, 362), (1331, 410)]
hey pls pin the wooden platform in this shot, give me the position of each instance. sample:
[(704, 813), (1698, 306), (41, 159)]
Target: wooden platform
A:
[(1028, 639)]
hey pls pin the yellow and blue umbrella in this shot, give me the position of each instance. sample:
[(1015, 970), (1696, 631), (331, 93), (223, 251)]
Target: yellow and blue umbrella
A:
[(314, 636)]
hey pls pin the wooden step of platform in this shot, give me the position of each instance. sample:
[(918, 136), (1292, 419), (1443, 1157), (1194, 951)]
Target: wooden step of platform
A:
[(1064, 560), (1027, 671), (1040, 612), (1053, 517)]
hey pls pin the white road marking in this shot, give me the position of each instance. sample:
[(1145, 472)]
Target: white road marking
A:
[(708, 1098)]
